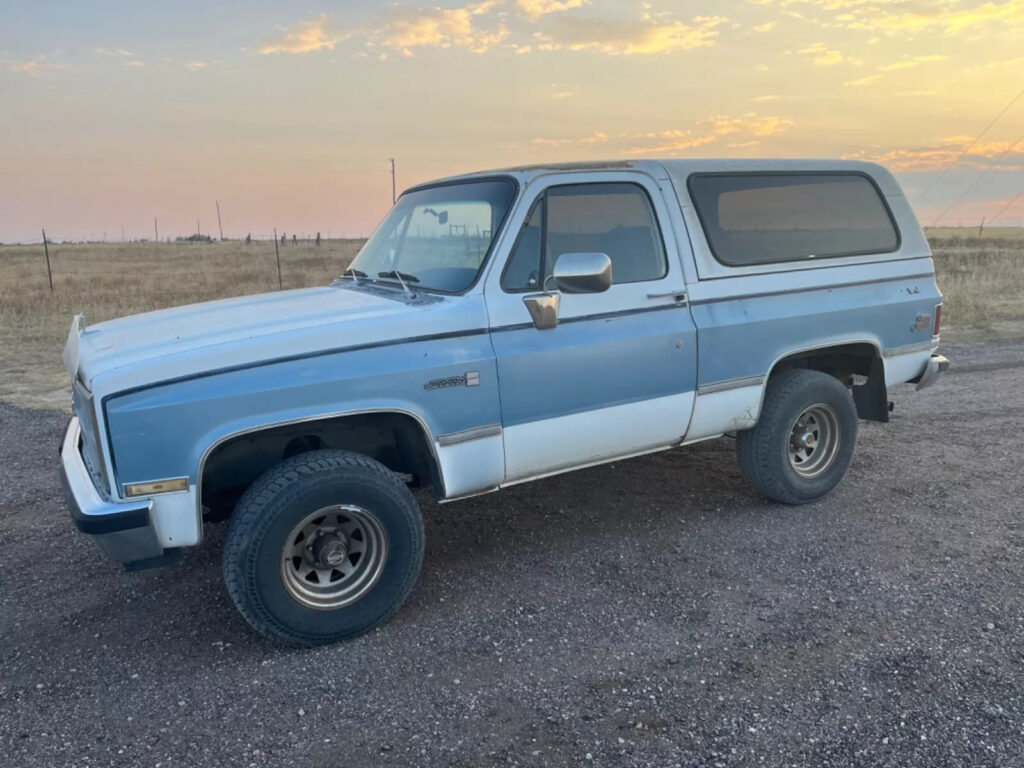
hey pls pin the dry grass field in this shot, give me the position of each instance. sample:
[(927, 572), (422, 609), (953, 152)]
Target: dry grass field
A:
[(982, 279)]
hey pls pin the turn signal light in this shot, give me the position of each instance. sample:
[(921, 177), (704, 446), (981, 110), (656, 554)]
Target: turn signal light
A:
[(159, 486), (938, 320)]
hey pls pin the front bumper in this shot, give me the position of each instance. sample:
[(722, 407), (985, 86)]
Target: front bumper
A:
[(124, 530), (936, 366)]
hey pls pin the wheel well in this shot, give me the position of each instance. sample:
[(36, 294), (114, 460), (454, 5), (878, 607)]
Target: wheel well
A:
[(841, 361), (858, 366), (396, 440)]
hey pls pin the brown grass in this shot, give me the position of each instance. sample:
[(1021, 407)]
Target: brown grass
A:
[(103, 281), (982, 280)]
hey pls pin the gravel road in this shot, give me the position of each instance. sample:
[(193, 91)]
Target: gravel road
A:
[(651, 612)]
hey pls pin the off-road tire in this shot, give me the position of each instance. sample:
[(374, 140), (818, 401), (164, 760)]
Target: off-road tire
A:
[(763, 452), (268, 512)]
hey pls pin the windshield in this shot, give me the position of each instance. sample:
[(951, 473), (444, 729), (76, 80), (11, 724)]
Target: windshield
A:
[(438, 237)]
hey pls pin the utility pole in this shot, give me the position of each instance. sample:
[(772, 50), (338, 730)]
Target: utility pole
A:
[(219, 227), (156, 231), (49, 273), (122, 233), (277, 252), (198, 230), (393, 198)]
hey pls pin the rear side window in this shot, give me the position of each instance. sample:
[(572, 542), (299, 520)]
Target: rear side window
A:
[(764, 218)]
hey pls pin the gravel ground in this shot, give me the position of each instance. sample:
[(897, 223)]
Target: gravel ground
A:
[(651, 612)]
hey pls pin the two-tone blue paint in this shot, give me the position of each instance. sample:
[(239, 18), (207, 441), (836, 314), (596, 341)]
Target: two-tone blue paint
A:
[(742, 337), (594, 362), (167, 428)]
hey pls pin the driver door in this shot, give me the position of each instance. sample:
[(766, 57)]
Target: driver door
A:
[(617, 375)]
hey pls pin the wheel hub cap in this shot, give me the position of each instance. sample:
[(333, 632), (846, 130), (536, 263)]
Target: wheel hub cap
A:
[(334, 556), (329, 550), (814, 440)]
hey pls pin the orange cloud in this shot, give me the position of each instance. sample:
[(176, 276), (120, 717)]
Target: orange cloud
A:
[(626, 38), (306, 37), (673, 141), (597, 137), (901, 16), (938, 156), (441, 28), (826, 57), (535, 9)]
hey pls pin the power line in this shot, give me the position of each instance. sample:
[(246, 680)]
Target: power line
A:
[(992, 165), (969, 147), (1008, 206)]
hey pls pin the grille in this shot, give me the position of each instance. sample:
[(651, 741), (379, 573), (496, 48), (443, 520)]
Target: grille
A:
[(91, 453)]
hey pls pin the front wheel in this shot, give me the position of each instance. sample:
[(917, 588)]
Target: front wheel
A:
[(803, 442), (323, 547)]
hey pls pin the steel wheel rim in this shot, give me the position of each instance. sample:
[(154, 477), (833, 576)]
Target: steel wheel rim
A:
[(334, 556), (814, 440)]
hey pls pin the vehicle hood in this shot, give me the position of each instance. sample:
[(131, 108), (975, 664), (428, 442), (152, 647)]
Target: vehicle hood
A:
[(201, 338)]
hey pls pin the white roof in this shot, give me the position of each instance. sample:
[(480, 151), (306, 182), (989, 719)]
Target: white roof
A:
[(679, 170)]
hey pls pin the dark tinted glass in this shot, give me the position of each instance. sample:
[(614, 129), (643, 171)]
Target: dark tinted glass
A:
[(611, 218), (614, 219), (761, 218)]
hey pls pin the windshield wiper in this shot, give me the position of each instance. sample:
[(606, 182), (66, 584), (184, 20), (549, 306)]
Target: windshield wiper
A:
[(355, 274), (402, 276)]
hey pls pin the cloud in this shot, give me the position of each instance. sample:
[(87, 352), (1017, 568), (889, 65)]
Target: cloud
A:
[(628, 38), (893, 17), (195, 66), (746, 128), (750, 123), (37, 66), (535, 9), (402, 30), (597, 137), (939, 155), (440, 28), (112, 52), (766, 27), (305, 37), (826, 57), (669, 142), (908, 63), (134, 63)]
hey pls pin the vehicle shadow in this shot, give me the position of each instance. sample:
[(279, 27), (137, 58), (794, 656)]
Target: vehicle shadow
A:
[(499, 547)]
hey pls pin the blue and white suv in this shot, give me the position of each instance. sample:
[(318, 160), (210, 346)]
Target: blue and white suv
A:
[(500, 327)]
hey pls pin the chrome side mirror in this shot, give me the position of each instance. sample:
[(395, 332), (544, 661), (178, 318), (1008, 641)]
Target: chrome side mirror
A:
[(583, 273), (573, 273)]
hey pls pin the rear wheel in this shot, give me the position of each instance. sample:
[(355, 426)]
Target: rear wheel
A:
[(802, 445), (323, 547)]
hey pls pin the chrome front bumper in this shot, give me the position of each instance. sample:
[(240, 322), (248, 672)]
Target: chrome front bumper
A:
[(124, 530), (936, 366)]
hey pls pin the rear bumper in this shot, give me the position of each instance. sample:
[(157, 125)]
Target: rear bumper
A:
[(124, 530), (934, 368)]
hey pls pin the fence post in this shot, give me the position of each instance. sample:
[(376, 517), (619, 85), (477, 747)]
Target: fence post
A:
[(49, 272), (277, 252)]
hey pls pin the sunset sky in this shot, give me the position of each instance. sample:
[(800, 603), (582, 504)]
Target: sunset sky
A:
[(112, 113)]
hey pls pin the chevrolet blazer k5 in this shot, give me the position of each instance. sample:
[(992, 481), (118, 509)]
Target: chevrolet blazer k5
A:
[(500, 327)]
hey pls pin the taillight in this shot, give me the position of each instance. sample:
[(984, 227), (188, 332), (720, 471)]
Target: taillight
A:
[(938, 320)]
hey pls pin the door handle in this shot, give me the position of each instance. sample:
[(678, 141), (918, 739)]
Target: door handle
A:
[(678, 296)]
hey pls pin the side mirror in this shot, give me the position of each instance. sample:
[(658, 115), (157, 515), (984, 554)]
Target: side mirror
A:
[(583, 273), (573, 273)]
